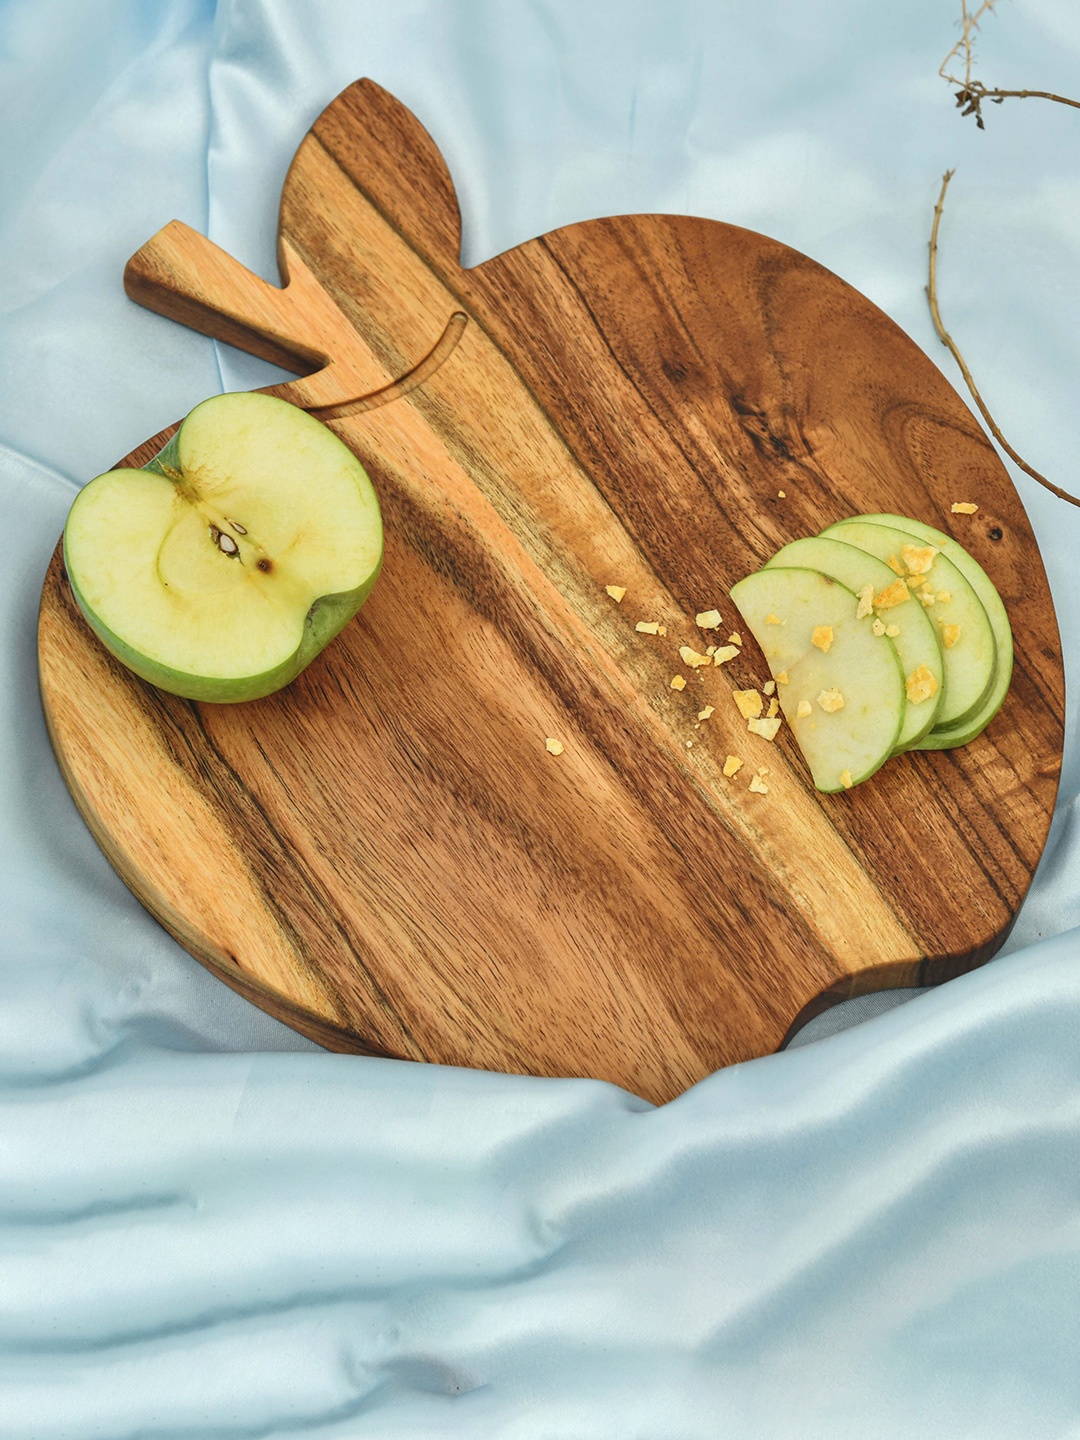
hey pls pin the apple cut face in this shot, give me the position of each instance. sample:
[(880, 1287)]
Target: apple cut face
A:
[(841, 687), (227, 564), (970, 662), (948, 737)]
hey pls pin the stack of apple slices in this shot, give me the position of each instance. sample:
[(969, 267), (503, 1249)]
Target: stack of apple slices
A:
[(883, 635)]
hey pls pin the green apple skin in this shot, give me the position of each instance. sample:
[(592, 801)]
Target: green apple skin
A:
[(950, 737), (326, 617)]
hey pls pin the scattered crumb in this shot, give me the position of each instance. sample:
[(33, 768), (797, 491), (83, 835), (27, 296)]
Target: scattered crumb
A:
[(963, 507), (689, 744), (708, 619), (831, 701), (893, 595), (749, 703), (845, 779), (774, 707), (894, 565), (921, 685), (878, 627), (732, 766), (773, 620), (691, 657), (944, 596), (914, 581), (553, 746), (927, 597), (918, 558), (678, 682), (734, 638), (805, 709), (892, 631), (781, 494), (648, 627), (769, 687), (950, 634), (706, 713), (724, 654), (758, 786), (765, 728), (782, 679), (616, 592), (866, 602), (822, 637), (710, 650), (661, 630)]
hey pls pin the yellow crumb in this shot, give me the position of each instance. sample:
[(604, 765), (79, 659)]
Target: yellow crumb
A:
[(878, 627), (771, 619), (661, 629), (689, 744), (831, 701), (949, 635), (732, 765), (734, 638), (921, 684), (765, 728), (927, 597), (894, 565), (892, 631), (616, 592), (710, 650), (782, 679), (769, 687), (892, 595), (781, 494), (845, 779), (678, 682), (822, 637), (691, 657), (708, 619), (553, 746), (706, 713), (963, 507), (749, 703), (917, 558), (758, 786), (774, 707), (866, 602), (805, 709), (648, 627), (724, 654), (944, 596)]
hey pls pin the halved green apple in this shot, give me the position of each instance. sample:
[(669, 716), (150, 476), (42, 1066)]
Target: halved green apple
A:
[(916, 643), (948, 737), (841, 687), (969, 650), (225, 565)]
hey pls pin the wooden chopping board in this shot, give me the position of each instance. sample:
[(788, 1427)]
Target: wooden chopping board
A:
[(385, 855)]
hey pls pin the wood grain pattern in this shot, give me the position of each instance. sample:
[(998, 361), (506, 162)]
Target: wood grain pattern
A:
[(384, 854)]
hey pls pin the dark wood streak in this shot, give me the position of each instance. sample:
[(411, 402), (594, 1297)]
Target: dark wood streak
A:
[(400, 866)]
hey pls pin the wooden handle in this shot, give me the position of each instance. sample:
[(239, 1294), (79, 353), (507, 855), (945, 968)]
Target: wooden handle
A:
[(183, 275)]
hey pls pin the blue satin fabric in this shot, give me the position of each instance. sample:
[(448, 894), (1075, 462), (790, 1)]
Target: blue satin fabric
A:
[(210, 1228)]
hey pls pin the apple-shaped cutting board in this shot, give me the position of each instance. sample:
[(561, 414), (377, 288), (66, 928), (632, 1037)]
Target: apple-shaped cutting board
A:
[(385, 855)]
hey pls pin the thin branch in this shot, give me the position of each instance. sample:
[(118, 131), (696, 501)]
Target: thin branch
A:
[(947, 340)]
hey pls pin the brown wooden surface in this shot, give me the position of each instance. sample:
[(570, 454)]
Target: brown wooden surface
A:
[(384, 854)]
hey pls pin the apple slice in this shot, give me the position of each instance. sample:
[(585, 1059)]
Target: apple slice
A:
[(948, 737), (969, 651), (917, 645), (844, 693), (224, 566)]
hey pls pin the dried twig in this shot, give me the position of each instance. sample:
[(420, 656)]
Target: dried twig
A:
[(971, 93), (947, 340)]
